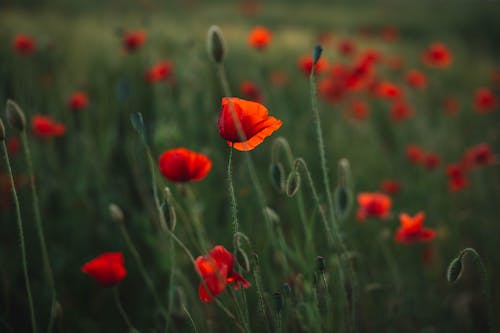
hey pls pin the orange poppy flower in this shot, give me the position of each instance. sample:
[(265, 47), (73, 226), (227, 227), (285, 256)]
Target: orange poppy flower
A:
[(217, 271), (485, 100), (305, 64), (78, 101), (24, 44), (133, 40), (390, 186), (259, 38), (373, 205), (183, 165), (437, 55), (456, 177), (416, 79), (251, 91), (412, 230), (254, 121)]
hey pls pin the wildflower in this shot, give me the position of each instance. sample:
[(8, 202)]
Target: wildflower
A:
[(416, 79), (456, 177), (389, 90), (412, 230), (400, 110), (106, 269), (217, 271), (253, 119), (480, 155), (24, 44), (78, 101), (259, 38), (279, 78), (183, 165), (437, 55), (390, 186), (251, 91), (160, 71), (484, 100), (133, 40), (451, 105), (305, 64), (358, 109), (415, 153), (45, 127), (431, 161), (373, 205), (346, 47)]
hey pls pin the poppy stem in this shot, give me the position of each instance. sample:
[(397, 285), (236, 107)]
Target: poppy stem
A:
[(121, 309), (41, 236), (21, 237), (234, 206)]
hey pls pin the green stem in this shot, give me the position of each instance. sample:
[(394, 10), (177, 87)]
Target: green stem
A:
[(21, 238), (121, 309), (234, 207), (190, 318)]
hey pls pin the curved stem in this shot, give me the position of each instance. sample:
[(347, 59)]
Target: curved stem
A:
[(121, 309)]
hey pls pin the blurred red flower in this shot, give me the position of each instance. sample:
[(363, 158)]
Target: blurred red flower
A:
[(133, 40), (480, 155), (183, 165), (451, 105), (373, 205), (217, 271), (45, 127), (346, 47), (279, 78), (259, 38), (437, 55), (400, 110), (253, 117), (305, 64), (456, 177), (78, 101), (249, 90), (416, 79), (389, 90), (24, 44), (390, 186), (13, 145), (432, 161), (485, 100), (106, 269), (160, 71), (357, 109), (389, 33), (412, 230), (415, 154)]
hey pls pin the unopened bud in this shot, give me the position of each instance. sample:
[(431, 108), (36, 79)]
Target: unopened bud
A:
[(317, 53), (15, 115), (277, 173), (242, 259), (116, 213), (216, 45), (293, 183), (454, 270), (2, 131)]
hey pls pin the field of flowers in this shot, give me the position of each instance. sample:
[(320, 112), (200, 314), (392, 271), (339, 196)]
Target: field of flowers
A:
[(250, 166)]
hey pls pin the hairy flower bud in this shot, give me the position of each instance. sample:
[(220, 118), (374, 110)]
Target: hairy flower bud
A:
[(2, 131), (116, 213), (15, 115), (216, 45)]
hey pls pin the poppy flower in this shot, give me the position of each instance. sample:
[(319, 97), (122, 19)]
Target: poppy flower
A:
[(415, 154), (484, 100), (346, 47), (480, 155), (13, 145), (437, 55), (106, 269), (217, 271), (45, 127), (278, 78), (412, 230), (451, 105), (183, 165), (160, 71), (389, 33), (251, 91), (253, 119), (390, 186), (431, 161), (259, 38), (389, 90), (416, 79), (24, 44), (78, 101), (358, 110), (457, 179), (305, 64), (133, 40), (400, 110), (373, 205)]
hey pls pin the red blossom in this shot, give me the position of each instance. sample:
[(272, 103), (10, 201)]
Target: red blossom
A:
[(161, 71), (415, 154), (484, 100), (457, 179), (183, 165), (45, 127), (78, 101), (249, 90), (480, 155), (346, 47), (390, 186), (133, 40), (437, 55), (358, 109), (412, 230), (400, 110), (305, 65), (24, 44), (259, 38), (106, 269), (373, 205), (432, 161), (389, 90), (416, 79)]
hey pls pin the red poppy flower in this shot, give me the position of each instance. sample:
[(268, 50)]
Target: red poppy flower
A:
[(346, 47), (456, 177), (305, 64), (485, 100), (78, 101), (183, 165), (133, 40), (390, 186), (279, 78), (24, 44), (415, 154), (259, 38), (254, 121), (161, 71), (251, 91), (412, 230), (373, 205), (480, 155), (217, 271), (416, 79), (13, 145), (431, 161), (358, 110), (331, 89), (451, 105), (389, 90), (45, 127), (400, 110), (106, 269), (389, 34), (437, 55)]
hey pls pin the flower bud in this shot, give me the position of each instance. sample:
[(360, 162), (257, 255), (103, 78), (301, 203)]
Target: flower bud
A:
[(2, 131), (15, 116), (293, 183), (454, 270), (216, 45), (242, 259), (116, 213), (317, 53), (277, 173)]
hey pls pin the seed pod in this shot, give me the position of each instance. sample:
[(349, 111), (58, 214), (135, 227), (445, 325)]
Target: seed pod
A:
[(216, 45), (292, 183), (15, 115), (116, 213), (454, 270), (2, 131), (242, 259), (277, 174)]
